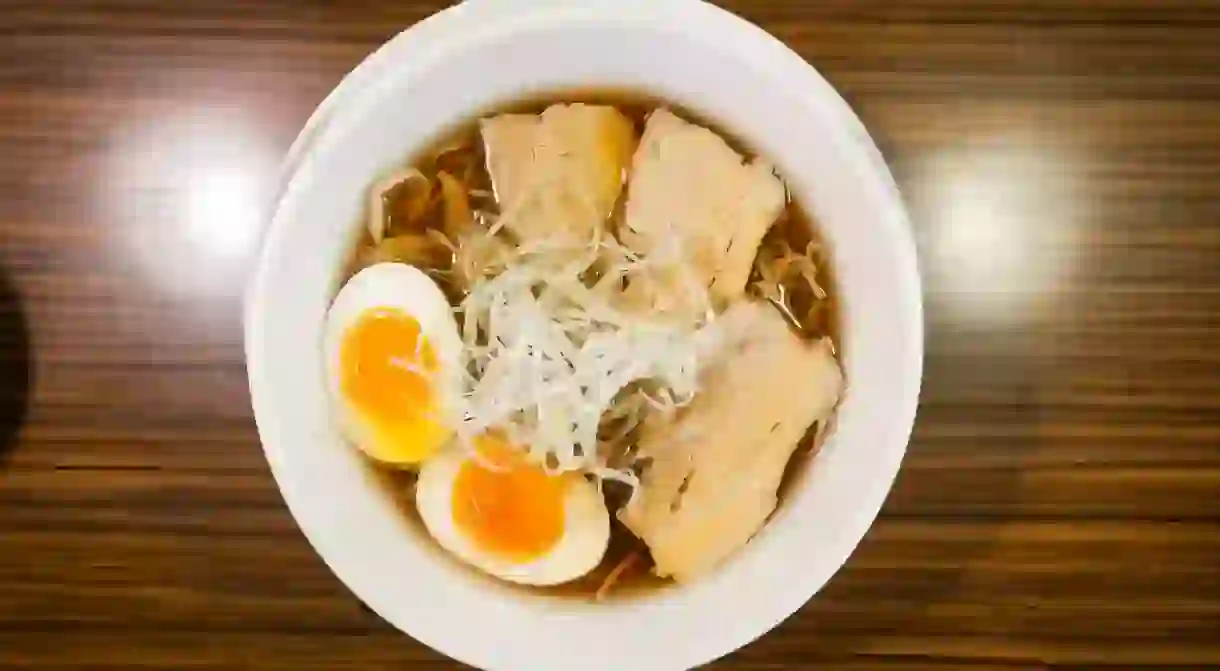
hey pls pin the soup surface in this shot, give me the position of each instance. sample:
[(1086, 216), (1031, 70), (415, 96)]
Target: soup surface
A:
[(585, 192)]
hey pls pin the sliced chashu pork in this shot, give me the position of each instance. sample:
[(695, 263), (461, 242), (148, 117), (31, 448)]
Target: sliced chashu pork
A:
[(716, 468), (688, 186), (557, 175)]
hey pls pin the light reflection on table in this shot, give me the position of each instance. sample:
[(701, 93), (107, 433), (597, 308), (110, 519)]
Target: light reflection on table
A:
[(190, 188), (999, 223)]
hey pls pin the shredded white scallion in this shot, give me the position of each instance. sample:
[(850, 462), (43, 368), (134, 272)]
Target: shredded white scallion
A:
[(548, 356)]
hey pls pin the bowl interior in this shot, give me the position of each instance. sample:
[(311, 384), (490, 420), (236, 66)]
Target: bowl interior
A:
[(444, 72)]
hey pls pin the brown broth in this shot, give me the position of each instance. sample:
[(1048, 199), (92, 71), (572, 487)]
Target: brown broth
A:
[(460, 153)]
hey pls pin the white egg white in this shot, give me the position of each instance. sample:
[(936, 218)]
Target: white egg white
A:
[(402, 287), (585, 537)]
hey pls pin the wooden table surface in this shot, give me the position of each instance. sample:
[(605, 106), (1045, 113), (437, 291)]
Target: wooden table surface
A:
[(1060, 501)]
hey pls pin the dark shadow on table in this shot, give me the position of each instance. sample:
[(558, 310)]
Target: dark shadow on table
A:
[(16, 368)]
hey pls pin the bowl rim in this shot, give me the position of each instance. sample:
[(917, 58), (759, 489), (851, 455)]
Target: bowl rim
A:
[(337, 109)]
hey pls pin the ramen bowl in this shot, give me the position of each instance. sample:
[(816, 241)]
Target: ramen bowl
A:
[(448, 69)]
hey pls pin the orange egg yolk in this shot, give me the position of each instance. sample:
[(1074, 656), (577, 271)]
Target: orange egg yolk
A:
[(385, 362), (508, 507)]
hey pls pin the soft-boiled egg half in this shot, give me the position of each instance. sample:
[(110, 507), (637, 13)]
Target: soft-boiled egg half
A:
[(392, 363), (502, 514)]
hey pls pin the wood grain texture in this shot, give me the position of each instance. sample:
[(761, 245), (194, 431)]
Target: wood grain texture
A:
[(1060, 502)]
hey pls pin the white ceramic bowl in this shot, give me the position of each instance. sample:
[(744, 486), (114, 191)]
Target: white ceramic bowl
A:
[(447, 69)]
